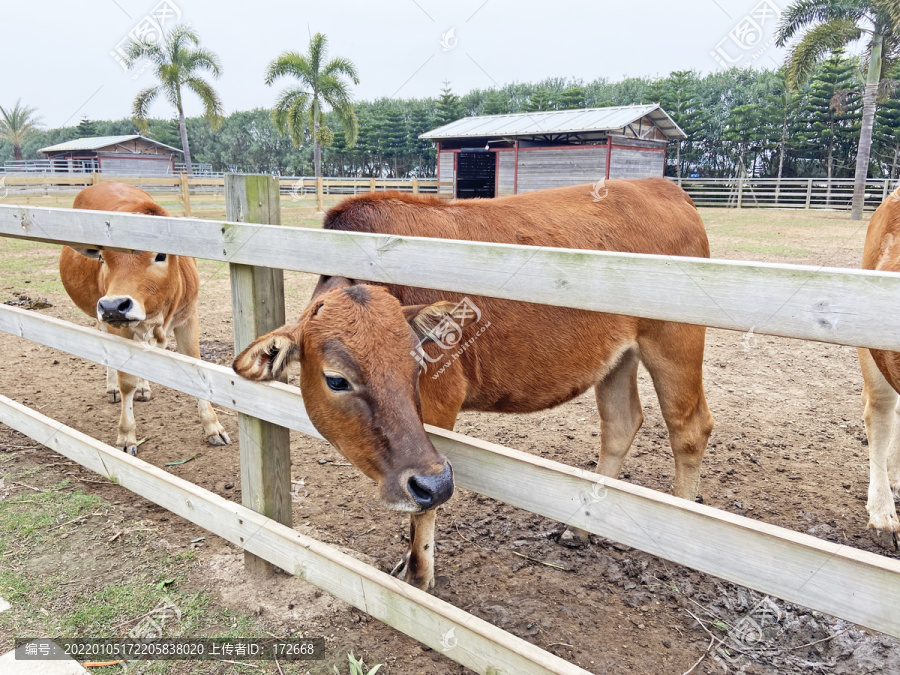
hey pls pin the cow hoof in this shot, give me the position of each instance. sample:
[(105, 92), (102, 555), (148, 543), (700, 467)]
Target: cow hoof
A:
[(575, 538), (400, 568), (218, 438), (113, 396), (142, 394), (885, 530), (131, 450)]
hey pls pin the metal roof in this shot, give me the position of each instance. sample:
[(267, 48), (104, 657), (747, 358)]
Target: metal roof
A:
[(98, 142), (584, 120)]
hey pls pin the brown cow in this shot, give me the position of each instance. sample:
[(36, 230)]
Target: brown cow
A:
[(136, 295), (881, 384), (362, 375)]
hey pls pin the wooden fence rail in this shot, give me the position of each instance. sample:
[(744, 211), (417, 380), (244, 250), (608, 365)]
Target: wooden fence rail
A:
[(841, 306), (840, 580)]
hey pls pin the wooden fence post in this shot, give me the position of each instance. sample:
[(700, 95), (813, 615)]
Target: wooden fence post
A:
[(257, 297), (186, 195), (808, 193), (740, 195), (319, 203), (372, 184), (415, 185)]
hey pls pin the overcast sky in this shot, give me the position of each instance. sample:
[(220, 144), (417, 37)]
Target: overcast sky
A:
[(58, 55)]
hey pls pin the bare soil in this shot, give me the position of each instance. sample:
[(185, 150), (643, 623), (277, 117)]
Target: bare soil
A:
[(788, 448)]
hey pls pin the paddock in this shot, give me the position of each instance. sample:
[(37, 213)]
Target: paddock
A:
[(481, 546)]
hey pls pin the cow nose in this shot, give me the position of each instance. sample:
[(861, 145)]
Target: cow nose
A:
[(114, 309), (429, 491)]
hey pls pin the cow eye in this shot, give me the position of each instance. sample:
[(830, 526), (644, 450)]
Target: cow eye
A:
[(160, 257), (337, 383)]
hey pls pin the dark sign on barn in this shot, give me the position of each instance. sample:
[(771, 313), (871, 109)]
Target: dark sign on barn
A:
[(497, 155), (126, 155)]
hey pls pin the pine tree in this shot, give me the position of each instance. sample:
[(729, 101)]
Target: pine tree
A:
[(495, 103), (539, 100), (572, 97), (678, 96), (86, 128), (449, 107), (887, 131), (832, 112)]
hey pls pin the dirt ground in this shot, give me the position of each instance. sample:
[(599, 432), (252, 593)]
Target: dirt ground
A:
[(788, 448)]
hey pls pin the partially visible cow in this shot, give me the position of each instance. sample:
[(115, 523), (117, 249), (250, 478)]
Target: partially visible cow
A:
[(881, 384), (362, 375), (136, 295)]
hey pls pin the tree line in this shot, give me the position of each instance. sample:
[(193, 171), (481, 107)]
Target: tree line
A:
[(738, 122)]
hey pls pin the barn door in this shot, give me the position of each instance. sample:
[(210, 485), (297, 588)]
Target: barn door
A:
[(475, 172)]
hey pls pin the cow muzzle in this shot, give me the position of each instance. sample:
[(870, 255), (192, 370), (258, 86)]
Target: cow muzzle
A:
[(119, 310), (429, 491)]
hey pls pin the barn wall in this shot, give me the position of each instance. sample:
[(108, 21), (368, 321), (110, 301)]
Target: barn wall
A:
[(540, 169), (131, 164), (506, 173), (631, 158), (447, 174)]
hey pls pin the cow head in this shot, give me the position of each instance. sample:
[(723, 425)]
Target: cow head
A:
[(137, 288), (360, 386)]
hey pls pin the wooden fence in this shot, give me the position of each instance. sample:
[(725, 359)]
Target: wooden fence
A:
[(852, 307)]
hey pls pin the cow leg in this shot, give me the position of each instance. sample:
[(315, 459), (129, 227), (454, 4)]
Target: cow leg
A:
[(417, 566), (127, 440), (619, 406), (673, 355), (187, 340), (880, 403), (112, 386)]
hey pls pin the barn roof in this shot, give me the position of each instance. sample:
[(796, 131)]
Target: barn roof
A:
[(581, 121), (100, 142)]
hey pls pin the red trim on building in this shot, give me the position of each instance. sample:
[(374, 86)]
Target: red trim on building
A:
[(516, 170), (635, 147), (608, 157)]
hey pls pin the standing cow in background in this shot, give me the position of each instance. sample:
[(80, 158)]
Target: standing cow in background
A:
[(136, 295), (375, 365), (881, 384)]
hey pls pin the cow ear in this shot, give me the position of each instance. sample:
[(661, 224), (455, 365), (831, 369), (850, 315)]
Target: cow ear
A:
[(268, 357), (94, 253), (424, 318)]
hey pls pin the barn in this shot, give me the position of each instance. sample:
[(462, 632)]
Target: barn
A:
[(497, 155), (129, 155)]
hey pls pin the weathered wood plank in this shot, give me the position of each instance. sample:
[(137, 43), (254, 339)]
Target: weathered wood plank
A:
[(478, 645), (842, 306), (257, 297), (840, 580)]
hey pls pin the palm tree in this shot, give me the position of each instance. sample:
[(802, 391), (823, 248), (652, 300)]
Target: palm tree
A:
[(299, 108), (15, 125), (829, 26), (176, 60)]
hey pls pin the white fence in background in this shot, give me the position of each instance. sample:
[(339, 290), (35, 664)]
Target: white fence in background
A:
[(787, 193)]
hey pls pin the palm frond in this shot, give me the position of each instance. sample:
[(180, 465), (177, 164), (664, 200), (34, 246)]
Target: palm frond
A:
[(203, 59), (212, 105), (289, 63), (805, 13), (141, 107), (341, 66), (817, 42)]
